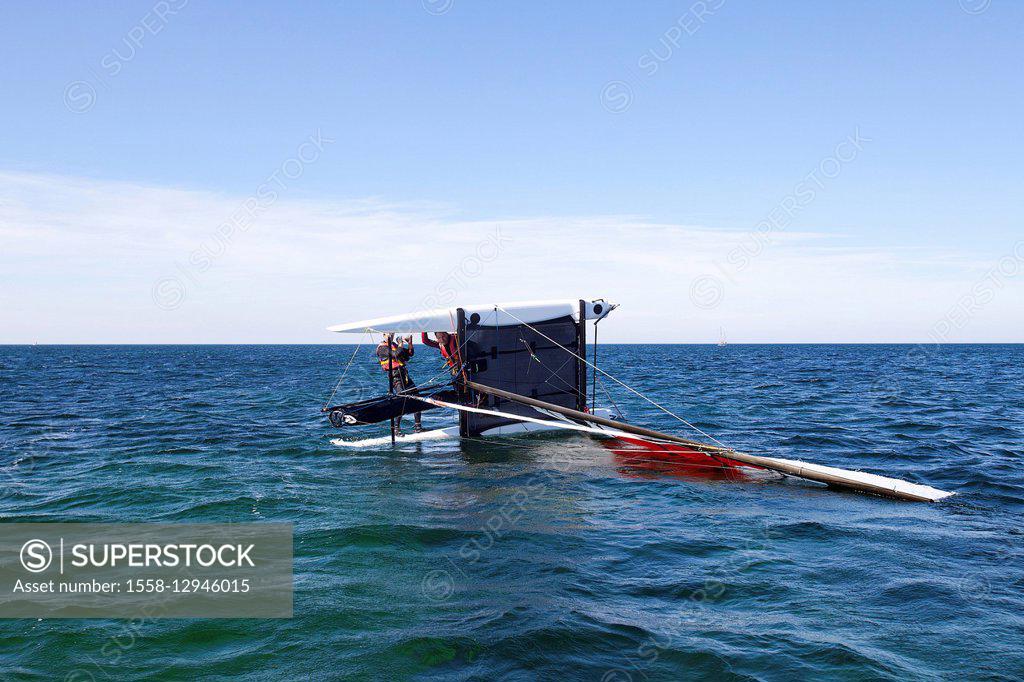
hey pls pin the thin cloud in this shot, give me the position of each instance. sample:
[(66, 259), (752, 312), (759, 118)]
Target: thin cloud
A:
[(85, 260)]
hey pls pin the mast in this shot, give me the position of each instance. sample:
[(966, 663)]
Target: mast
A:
[(391, 381), (581, 367), (853, 480), (593, 373), (460, 331)]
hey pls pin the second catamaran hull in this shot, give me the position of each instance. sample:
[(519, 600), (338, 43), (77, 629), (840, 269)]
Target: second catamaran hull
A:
[(453, 432), (385, 441)]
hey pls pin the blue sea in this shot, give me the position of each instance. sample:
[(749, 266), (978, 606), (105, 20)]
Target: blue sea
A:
[(545, 557)]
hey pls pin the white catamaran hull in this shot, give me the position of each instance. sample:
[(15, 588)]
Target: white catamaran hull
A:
[(453, 432), (383, 441)]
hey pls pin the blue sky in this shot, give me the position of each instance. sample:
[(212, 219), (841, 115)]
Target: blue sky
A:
[(565, 121)]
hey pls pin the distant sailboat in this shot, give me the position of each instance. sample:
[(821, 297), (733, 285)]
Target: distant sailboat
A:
[(721, 337)]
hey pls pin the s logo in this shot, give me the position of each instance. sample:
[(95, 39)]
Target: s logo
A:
[(36, 556)]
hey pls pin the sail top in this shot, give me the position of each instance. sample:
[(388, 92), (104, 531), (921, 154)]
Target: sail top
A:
[(490, 314)]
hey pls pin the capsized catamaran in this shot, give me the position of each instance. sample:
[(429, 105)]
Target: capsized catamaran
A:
[(522, 367)]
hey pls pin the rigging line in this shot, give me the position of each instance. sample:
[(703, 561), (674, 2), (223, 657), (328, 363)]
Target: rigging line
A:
[(633, 457), (609, 396), (505, 440), (511, 441), (551, 374), (523, 418), (347, 366), (529, 439), (593, 376), (460, 344), (444, 370), (434, 378), (497, 347), (624, 385), (405, 400), (406, 391), (554, 374), (567, 425), (533, 356)]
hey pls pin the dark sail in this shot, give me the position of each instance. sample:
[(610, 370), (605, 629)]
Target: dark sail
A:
[(517, 358)]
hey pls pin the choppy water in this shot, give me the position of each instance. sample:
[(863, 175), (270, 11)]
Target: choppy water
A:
[(546, 557)]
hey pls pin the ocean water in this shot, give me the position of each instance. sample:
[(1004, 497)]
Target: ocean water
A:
[(546, 557)]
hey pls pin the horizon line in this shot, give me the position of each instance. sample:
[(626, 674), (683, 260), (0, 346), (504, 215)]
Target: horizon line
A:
[(612, 343)]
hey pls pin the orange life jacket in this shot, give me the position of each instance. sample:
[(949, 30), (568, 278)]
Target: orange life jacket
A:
[(393, 363), (390, 362)]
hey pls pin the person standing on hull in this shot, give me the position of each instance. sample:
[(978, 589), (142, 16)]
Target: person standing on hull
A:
[(448, 345), (393, 358)]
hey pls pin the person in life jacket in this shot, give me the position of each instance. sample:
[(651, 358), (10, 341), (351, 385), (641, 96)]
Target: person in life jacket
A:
[(394, 358), (448, 345)]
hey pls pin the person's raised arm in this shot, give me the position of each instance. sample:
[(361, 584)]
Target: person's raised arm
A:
[(428, 342)]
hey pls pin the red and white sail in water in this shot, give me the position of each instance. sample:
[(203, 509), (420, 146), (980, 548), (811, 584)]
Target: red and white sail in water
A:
[(629, 440)]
